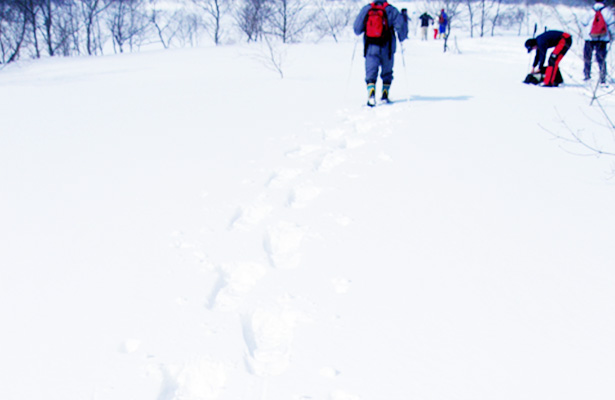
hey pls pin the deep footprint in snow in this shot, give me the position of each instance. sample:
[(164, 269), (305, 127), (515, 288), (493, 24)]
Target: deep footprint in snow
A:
[(234, 282), (301, 195), (282, 177), (247, 217), (268, 335), (330, 161), (282, 243), (201, 379)]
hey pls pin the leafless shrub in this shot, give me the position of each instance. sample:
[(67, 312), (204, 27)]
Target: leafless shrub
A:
[(251, 17), (332, 19), (127, 22), (288, 19), (214, 11)]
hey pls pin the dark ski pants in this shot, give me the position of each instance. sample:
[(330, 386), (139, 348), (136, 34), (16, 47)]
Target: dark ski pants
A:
[(379, 58), (600, 48), (556, 56)]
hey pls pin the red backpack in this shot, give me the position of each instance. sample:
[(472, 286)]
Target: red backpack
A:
[(377, 24), (598, 26)]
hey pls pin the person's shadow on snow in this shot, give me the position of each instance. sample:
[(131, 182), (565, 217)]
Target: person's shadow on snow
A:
[(439, 98)]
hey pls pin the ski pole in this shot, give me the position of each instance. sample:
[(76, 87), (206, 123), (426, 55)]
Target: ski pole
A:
[(529, 63), (403, 61), (354, 50)]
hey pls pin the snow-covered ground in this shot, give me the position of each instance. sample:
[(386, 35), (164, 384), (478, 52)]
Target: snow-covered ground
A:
[(185, 225)]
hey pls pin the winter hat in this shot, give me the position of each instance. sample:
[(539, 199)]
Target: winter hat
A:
[(530, 43), (599, 5)]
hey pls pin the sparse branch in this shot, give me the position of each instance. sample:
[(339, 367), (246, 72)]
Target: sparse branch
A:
[(574, 137), (251, 18), (577, 139), (333, 19), (276, 56), (215, 9), (272, 54), (288, 19)]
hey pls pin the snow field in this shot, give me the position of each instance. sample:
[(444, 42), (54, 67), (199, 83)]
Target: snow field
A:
[(186, 225)]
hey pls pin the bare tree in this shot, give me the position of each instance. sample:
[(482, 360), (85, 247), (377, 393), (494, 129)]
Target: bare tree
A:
[(288, 19), (471, 11), (484, 6), (251, 18), (47, 10), (496, 16), (332, 19), (165, 23), (30, 10), (518, 17), (13, 24), (272, 54), (189, 28), (59, 27), (91, 11), (127, 23), (68, 32), (215, 10)]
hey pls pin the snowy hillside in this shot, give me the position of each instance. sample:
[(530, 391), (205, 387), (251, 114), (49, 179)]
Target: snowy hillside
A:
[(185, 225)]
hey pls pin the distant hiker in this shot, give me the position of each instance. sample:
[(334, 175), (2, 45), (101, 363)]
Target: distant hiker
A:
[(426, 20), (597, 36), (379, 22), (443, 23), (404, 13), (560, 41)]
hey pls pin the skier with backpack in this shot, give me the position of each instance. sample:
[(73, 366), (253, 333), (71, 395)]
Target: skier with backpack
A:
[(443, 23), (560, 42), (379, 22), (597, 37)]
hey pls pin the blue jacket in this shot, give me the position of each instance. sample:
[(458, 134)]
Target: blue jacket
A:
[(444, 21), (397, 21)]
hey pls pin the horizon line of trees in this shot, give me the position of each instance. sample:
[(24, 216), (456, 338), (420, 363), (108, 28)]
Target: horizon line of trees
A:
[(37, 28), (33, 28)]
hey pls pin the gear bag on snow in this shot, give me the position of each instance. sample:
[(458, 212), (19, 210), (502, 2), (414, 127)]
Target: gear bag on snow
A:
[(598, 26), (377, 29), (538, 78)]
